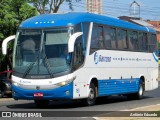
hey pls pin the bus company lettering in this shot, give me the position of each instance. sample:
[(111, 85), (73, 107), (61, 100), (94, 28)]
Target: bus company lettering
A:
[(101, 58)]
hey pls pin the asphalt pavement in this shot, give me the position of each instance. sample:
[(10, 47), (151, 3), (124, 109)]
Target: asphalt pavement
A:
[(69, 110)]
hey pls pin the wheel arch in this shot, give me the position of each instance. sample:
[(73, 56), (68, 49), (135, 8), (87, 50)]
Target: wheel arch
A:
[(142, 79), (94, 80)]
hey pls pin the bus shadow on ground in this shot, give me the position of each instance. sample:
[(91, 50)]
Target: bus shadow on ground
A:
[(73, 104)]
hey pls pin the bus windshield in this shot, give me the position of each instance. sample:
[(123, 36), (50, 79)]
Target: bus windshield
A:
[(41, 52)]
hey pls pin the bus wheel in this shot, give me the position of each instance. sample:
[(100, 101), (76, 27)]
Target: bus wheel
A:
[(91, 97), (41, 103), (139, 94)]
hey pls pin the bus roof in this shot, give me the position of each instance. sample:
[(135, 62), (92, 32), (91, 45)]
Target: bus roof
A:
[(73, 18)]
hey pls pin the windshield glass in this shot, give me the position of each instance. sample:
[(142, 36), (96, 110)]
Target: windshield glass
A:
[(38, 52)]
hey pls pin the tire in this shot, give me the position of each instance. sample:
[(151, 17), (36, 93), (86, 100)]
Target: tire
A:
[(91, 97), (138, 95), (1, 94), (41, 103)]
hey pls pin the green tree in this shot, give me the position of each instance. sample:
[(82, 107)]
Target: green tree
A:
[(12, 13), (159, 46), (50, 6)]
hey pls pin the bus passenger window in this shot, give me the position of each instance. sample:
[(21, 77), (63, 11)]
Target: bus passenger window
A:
[(97, 38), (100, 37), (143, 41), (133, 41), (94, 39), (109, 38), (152, 43), (122, 39)]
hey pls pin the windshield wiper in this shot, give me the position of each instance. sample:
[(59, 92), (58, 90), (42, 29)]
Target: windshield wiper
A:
[(47, 64), (29, 68), (31, 65)]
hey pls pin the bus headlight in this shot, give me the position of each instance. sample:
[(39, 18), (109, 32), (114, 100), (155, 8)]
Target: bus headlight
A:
[(66, 82)]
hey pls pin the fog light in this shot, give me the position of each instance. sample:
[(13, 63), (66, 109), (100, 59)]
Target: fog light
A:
[(67, 92)]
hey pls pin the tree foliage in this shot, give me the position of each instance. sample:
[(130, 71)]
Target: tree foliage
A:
[(12, 13), (50, 6)]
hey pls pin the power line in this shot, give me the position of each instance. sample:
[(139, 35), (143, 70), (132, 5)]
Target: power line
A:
[(122, 9), (112, 10), (118, 8)]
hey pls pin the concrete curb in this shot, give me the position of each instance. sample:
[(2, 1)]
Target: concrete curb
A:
[(6, 99)]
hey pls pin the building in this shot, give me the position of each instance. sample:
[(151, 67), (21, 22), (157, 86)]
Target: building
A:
[(156, 26), (135, 20), (94, 6)]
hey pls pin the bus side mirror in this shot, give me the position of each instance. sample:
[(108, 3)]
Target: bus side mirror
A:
[(5, 42), (72, 40)]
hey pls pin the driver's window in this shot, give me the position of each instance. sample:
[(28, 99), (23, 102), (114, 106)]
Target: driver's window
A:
[(78, 56)]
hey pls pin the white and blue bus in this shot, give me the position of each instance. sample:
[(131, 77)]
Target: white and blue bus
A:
[(82, 56)]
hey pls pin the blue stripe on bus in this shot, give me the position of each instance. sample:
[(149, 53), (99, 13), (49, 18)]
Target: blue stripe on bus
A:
[(117, 86), (57, 93), (154, 57)]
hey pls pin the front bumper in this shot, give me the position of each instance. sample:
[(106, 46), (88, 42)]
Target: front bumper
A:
[(64, 92)]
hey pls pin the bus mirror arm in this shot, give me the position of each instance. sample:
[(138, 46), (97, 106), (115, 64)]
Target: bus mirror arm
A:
[(5, 42), (72, 40)]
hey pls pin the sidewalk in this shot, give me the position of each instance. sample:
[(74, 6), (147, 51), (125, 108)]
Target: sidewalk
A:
[(146, 108), (6, 99)]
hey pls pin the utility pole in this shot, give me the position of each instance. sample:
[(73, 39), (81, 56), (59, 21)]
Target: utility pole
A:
[(94, 6)]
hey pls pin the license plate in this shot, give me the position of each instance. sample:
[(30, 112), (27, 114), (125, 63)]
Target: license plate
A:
[(38, 95)]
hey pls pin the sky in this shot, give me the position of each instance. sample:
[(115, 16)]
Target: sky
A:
[(149, 9)]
